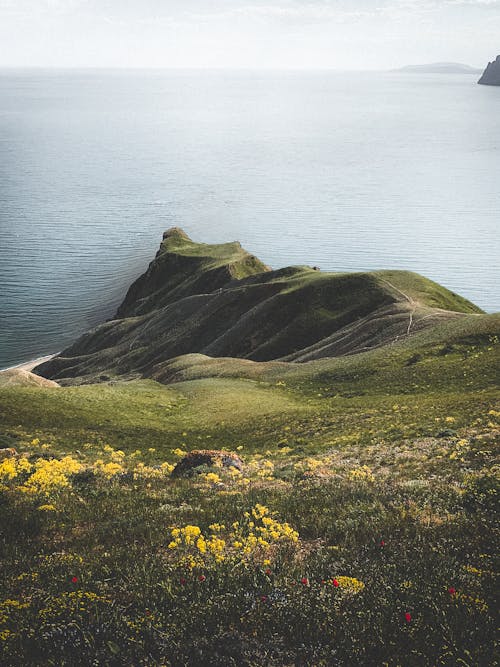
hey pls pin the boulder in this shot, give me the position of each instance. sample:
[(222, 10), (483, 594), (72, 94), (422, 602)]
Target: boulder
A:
[(199, 458), (8, 453)]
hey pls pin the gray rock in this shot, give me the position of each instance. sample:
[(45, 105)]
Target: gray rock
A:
[(491, 75), (201, 458)]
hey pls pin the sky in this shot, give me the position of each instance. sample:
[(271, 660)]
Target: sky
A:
[(270, 34)]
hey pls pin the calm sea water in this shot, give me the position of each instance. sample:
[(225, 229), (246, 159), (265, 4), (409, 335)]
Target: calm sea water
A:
[(346, 171)]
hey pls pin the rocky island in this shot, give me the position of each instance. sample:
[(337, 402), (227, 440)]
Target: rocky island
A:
[(491, 75)]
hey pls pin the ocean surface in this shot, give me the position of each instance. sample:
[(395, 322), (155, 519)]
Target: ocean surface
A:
[(347, 171)]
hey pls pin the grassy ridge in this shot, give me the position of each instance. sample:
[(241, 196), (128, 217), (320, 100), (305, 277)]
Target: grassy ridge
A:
[(220, 301)]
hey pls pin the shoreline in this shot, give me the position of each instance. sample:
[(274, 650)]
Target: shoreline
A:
[(29, 365)]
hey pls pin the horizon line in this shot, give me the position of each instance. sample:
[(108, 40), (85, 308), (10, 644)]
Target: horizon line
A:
[(225, 69)]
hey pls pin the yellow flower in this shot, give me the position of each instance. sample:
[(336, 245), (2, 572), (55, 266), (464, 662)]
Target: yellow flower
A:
[(350, 584), (142, 471), (8, 469), (51, 475), (362, 474), (110, 469), (211, 478), (259, 511), (217, 527), (179, 452), (248, 537)]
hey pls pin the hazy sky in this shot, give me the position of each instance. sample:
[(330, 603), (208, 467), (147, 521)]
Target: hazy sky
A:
[(345, 34)]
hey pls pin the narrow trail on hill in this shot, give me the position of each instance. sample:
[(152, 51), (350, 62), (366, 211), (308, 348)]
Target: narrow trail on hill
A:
[(411, 301)]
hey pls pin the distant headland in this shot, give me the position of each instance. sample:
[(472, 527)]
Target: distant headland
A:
[(491, 75), (439, 68)]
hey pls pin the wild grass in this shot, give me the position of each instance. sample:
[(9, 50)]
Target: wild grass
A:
[(386, 471)]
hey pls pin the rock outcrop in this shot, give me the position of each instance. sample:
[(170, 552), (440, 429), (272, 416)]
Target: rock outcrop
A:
[(195, 461), (491, 75)]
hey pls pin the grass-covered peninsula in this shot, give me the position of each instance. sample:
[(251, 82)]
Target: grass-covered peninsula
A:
[(358, 525)]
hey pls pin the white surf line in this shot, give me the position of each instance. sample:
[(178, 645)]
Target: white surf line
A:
[(29, 365)]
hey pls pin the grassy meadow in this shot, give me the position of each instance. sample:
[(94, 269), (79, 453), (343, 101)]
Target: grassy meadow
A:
[(361, 529)]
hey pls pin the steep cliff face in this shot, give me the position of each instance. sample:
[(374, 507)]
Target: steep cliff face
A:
[(183, 268), (491, 75), (220, 301)]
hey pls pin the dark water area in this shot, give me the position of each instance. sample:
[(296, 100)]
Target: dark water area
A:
[(347, 171)]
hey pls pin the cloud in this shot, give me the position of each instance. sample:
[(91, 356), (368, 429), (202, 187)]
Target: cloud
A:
[(40, 8), (475, 3), (302, 13), (271, 32), (274, 12)]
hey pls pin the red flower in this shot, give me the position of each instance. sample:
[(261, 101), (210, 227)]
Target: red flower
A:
[(304, 581), (382, 543), (263, 598), (182, 581), (408, 617), (74, 580), (451, 591), (268, 571), (201, 577), (335, 583), (323, 581)]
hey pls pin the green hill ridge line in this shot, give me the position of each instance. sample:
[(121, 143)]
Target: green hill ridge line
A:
[(221, 301)]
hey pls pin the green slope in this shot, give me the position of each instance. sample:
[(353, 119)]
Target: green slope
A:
[(222, 302), (453, 367), (183, 268)]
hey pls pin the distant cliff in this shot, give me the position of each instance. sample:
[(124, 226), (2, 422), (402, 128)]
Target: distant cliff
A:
[(491, 75)]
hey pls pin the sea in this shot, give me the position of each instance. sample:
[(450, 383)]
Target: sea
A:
[(348, 171)]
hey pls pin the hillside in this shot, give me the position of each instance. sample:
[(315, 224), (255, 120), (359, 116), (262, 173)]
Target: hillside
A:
[(360, 531), (360, 526), (220, 301)]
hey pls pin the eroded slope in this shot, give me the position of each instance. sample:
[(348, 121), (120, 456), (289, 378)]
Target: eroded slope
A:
[(220, 301)]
